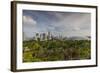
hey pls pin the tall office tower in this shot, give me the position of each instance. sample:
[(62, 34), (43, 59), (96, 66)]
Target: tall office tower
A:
[(49, 36), (37, 36), (44, 36)]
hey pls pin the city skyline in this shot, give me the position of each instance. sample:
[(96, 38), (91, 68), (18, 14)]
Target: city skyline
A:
[(58, 23)]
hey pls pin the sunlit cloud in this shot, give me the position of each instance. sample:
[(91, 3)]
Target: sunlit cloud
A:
[(29, 21)]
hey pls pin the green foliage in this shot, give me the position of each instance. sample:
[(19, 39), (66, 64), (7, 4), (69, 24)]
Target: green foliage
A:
[(53, 50)]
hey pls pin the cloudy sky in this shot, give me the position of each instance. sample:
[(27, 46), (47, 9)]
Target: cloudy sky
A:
[(58, 23)]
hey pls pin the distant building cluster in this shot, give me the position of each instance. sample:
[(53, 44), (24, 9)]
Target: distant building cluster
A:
[(50, 36), (46, 36), (43, 36)]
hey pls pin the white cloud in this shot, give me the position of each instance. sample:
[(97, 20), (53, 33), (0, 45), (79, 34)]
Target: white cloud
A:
[(29, 24), (29, 21)]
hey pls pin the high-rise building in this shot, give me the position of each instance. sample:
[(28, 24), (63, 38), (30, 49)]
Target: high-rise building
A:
[(49, 36), (37, 36), (44, 36)]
